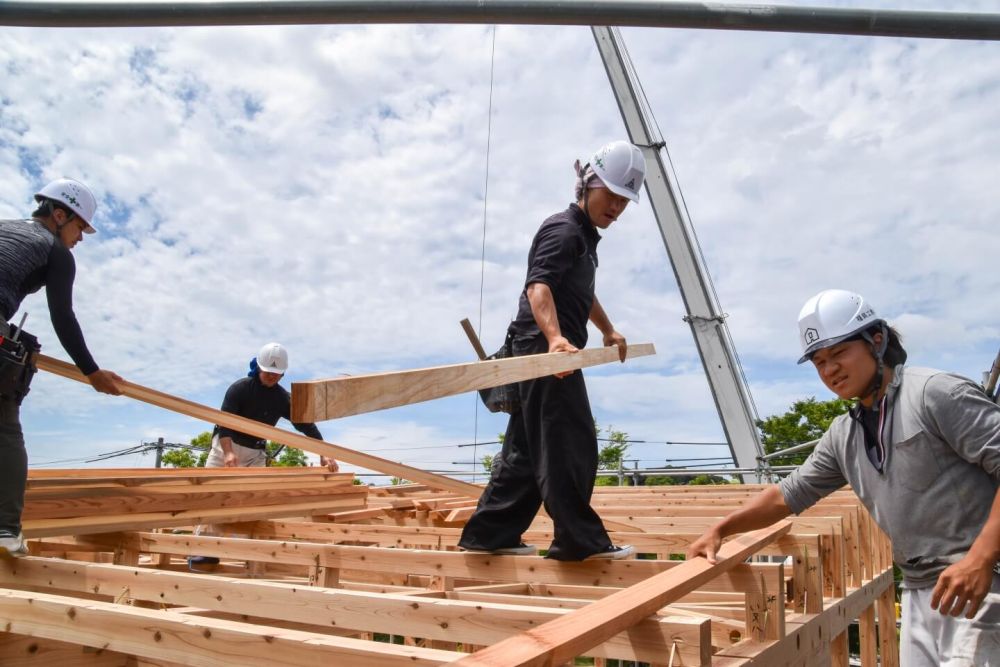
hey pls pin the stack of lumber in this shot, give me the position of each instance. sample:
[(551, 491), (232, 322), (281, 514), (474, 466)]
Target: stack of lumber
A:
[(78, 502), (384, 584)]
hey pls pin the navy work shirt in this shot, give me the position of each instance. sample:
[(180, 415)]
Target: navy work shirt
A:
[(563, 256), (248, 397)]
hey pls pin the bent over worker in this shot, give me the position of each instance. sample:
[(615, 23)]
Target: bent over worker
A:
[(257, 396), (921, 449), (35, 253), (550, 448)]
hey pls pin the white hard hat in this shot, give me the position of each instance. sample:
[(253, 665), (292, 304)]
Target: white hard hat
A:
[(832, 316), (621, 168), (74, 195), (273, 358)]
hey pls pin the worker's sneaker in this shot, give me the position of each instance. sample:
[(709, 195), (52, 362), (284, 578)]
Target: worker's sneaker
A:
[(12, 544), (196, 562), (521, 549), (613, 552)]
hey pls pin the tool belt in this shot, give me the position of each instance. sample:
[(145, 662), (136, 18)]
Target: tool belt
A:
[(257, 444), (504, 398), (18, 353)]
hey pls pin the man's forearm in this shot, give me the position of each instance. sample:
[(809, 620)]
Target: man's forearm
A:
[(987, 544), (227, 444), (764, 509), (600, 318), (543, 308)]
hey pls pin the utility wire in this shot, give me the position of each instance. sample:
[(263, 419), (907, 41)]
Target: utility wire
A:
[(486, 197)]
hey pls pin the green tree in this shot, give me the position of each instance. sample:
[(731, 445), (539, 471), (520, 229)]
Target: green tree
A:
[(806, 420), (612, 453), (487, 462), (290, 457), (190, 458), (706, 480), (659, 480)]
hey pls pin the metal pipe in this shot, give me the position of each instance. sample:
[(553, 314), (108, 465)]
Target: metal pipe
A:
[(647, 13), (790, 450)]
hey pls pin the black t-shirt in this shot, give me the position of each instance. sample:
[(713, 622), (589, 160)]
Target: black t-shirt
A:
[(563, 256), (248, 397)]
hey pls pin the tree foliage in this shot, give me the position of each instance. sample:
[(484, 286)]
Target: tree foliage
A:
[(806, 420), (190, 458), (290, 457), (612, 453)]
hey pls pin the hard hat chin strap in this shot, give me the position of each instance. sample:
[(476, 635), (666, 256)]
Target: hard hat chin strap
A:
[(878, 352)]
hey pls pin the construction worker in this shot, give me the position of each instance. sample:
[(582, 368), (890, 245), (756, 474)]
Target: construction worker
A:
[(550, 447), (257, 396), (34, 253), (921, 448)]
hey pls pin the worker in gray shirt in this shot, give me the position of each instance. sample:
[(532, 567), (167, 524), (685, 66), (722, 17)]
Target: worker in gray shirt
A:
[(921, 448)]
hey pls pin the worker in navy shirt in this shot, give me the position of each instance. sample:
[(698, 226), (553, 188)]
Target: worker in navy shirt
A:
[(550, 451), (259, 397), (36, 253)]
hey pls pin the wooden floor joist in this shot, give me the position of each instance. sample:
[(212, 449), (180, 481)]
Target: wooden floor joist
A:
[(318, 400), (311, 587)]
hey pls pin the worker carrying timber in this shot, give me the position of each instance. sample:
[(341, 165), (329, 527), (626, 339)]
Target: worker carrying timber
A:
[(34, 253), (549, 453), (921, 449), (257, 396)]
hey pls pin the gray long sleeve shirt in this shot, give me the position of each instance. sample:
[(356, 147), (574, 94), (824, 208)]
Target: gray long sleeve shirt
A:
[(940, 475)]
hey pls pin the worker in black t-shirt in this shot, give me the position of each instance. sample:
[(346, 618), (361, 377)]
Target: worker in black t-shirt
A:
[(36, 253), (257, 396), (550, 448)]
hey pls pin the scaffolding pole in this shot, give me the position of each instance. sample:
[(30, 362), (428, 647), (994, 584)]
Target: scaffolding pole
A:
[(647, 13)]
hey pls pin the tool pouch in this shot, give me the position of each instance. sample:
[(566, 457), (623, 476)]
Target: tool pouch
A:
[(17, 363), (505, 397)]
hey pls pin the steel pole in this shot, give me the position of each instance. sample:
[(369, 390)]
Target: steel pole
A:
[(644, 13)]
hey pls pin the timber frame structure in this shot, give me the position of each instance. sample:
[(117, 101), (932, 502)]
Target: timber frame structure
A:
[(316, 569)]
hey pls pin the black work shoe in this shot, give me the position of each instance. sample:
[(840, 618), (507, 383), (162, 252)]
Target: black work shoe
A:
[(194, 562), (521, 549), (613, 552)]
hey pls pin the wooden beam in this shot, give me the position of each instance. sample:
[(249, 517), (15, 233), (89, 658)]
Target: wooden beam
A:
[(437, 619), (255, 428), (561, 640), (466, 566), (188, 640), (317, 400), (88, 525)]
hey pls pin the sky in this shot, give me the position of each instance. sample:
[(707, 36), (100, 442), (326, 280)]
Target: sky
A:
[(353, 192)]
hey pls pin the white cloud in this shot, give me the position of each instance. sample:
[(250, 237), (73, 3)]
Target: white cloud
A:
[(324, 186)]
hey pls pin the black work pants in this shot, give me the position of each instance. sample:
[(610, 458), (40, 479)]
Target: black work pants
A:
[(549, 457), (13, 466)]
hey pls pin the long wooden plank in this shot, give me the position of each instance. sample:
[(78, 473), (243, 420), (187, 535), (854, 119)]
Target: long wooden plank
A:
[(88, 525), (562, 639), (196, 641), (438, 619), (255, 428), (459, 565), (317, 400)]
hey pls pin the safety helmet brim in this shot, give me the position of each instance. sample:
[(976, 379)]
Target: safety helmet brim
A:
[(620, 191), (823, 344)]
